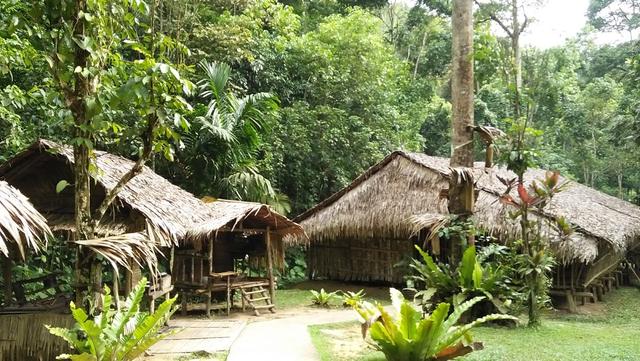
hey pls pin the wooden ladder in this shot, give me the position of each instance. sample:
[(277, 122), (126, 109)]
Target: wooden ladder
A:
[(254, 294)]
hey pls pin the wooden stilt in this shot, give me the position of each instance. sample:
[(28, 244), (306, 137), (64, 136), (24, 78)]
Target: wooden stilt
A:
[(228, 296), (116, 287), (272, 292)]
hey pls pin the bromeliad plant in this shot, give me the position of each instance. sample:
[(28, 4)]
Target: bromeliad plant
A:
[(408, 335), (322, 298), (471, 278), (351, 299), (115, 335)]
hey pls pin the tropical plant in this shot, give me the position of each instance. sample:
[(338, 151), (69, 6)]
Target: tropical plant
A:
[(408, 335), (115, 334), (351, 298), (220, 150), (472, 277), (536, 261), (322, 298)]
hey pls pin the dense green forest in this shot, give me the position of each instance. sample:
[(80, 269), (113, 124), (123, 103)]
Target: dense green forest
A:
[(286, 102)]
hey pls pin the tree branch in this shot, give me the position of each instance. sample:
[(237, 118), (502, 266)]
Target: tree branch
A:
[(497, 20)]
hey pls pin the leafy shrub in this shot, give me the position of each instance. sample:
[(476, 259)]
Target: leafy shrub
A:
[(321, 298), (407, 335), (352, 299), (115, 335), (474, 276), (295, 267)]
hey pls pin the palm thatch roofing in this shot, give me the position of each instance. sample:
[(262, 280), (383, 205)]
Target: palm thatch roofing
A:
[(400, 194), (21, 225), (230, 215), (148, 202)]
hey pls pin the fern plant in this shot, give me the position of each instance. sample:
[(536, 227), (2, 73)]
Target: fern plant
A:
[(321, 298), (407, 335), (115, 335)]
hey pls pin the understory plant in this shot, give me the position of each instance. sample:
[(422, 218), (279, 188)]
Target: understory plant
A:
[(322, 298), (536, 261), (115, 334), (351, 298), (407, 334), (474, 276)]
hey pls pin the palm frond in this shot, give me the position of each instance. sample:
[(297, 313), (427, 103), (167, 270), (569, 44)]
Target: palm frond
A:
[(123, 249), (215, 81), (20, 223)]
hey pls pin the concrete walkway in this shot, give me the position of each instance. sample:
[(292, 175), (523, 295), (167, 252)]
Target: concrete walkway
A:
[(284, 339), (196, 335)]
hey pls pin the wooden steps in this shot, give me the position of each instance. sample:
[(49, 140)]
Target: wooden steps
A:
[(249, 294)]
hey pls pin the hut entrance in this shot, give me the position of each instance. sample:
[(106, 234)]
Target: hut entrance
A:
[(236, 262)]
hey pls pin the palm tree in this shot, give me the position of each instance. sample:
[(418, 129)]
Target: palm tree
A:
[(221, 148)]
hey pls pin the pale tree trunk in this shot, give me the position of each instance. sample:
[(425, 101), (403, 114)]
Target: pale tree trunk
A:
[(424, 42), (517, 61), (461, 193), (462, 84), (620, 189)]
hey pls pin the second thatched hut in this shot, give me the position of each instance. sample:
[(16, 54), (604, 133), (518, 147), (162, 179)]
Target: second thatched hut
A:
[(364, 231)]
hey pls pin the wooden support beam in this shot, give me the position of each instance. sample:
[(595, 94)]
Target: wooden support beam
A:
[(116, 287), (272, 290)]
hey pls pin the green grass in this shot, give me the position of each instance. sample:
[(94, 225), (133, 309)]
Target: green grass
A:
[(299, 296), (613, 333)]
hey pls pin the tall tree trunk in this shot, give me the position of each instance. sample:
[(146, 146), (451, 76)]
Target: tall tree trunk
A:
[(462, 84), (517, 61), (461, 192), (81, 152), (424, 42)]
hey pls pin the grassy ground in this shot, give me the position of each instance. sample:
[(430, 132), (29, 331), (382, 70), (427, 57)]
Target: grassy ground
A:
[(299, 295), (610, 331)]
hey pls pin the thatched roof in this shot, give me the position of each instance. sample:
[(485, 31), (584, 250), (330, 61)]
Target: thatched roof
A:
[(388, 198), (21, 226), (231, 214), (148, 202), (168, 210)]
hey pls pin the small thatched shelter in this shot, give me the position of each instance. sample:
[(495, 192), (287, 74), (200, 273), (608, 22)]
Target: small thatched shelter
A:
[(151, 211), (362, 231), (240, 235)]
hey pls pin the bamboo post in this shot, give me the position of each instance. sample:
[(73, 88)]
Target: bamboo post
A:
[(6, 275), (116, 287), (211, 254), (267, 237)]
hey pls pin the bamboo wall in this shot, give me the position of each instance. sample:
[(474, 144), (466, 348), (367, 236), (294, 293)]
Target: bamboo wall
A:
[(361, 260), (23, 337)]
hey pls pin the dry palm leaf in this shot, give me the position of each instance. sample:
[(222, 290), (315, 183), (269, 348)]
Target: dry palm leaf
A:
[(122, 249), (20, 223)]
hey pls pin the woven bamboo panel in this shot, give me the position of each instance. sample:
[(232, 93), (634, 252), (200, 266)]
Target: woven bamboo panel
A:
[(361, 260), (23, 337)]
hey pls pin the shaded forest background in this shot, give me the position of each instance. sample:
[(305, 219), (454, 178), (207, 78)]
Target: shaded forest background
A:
[(335, 85)]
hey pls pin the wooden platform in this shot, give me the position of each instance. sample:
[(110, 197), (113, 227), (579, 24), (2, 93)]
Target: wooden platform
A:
[(210, 336)]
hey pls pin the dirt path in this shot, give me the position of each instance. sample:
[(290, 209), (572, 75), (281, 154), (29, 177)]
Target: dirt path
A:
[(284, 339)]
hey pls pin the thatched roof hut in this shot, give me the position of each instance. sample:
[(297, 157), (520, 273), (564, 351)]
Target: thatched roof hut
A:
[(148, 202), (391, 198), (230, 215), (22, 227)]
